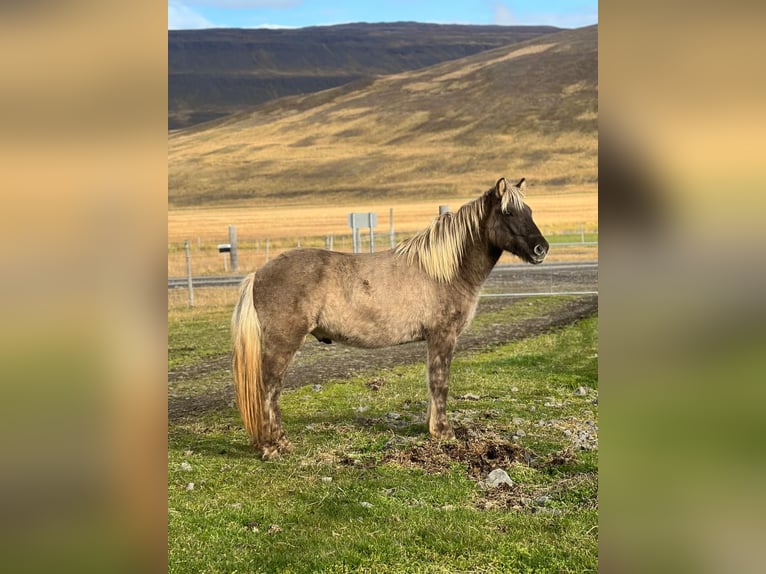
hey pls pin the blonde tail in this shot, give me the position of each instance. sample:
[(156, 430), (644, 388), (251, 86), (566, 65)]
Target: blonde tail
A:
[(246, 362)]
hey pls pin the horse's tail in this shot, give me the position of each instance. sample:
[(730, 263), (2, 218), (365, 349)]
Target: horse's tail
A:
[(246, 361)]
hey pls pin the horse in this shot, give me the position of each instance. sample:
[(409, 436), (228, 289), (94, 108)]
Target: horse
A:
[(426, 288)]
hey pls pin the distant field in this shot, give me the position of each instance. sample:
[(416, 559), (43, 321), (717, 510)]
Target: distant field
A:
[(205, 227)]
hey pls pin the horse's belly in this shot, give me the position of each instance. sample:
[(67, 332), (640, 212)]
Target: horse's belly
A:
[(368, 334)]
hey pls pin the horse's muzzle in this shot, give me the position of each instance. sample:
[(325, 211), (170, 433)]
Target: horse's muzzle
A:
[(540, 251)]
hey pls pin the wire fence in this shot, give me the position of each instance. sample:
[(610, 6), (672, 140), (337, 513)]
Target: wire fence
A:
[(206, 260)]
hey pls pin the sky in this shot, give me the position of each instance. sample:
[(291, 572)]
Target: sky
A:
[(188, 14)]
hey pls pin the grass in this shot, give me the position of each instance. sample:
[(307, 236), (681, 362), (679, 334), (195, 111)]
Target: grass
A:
[(366, 491)]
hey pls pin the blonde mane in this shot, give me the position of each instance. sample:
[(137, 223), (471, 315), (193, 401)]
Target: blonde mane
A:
[(440, 247)]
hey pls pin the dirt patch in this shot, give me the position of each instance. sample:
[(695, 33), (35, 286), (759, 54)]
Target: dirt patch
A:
[(483, 452), (479, 451)]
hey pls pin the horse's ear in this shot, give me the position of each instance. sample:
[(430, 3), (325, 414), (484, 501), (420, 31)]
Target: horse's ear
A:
[(501, 186), (522, 185)]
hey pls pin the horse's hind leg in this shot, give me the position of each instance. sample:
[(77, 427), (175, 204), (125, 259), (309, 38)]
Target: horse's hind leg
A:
[(276, 358)]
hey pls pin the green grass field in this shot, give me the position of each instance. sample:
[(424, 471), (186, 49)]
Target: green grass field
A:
[(365, 490)]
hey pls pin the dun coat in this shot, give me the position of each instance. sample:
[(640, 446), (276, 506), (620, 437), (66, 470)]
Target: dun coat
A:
[(426, 288)]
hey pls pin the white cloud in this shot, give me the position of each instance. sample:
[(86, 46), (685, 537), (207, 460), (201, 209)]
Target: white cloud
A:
[(501, 15), (181, 17)]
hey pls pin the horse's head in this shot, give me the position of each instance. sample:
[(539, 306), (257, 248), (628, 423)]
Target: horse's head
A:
[(510, 226)]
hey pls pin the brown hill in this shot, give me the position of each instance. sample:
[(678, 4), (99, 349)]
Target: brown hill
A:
[(214, 73), (525, 110)]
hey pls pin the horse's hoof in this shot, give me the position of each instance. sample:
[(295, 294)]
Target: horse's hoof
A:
[(447, 434), (270, 453)]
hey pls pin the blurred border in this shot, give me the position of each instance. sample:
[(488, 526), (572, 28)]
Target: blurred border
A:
[(682, 281), (83, 145)]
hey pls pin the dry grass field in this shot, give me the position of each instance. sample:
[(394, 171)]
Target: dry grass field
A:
[(205, 227)]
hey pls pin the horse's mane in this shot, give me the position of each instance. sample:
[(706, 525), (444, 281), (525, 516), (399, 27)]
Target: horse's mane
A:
[(439, 248)]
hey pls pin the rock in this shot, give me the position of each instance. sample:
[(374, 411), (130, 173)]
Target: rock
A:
[(514, 389), (470, 397), (365, 504), (520, 433), (541, 500), (190, 487), (316, 388), (393, 416), (186, 466), (498, 477), (580, 391), (326, 479)]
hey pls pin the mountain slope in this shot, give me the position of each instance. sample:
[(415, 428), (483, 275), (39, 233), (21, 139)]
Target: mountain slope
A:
[(525, 110), (212, 73)]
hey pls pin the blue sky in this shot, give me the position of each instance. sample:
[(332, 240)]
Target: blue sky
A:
[(184, 14)]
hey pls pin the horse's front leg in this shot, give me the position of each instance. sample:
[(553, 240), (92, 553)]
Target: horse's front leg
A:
[(440, 352)]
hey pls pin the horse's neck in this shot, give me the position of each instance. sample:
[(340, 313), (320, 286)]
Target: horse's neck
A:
[(478, 261)]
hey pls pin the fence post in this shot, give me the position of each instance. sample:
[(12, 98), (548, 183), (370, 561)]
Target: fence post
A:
[(372, 240), (391, 225), (189, 274), (354, 235), (233, 253)]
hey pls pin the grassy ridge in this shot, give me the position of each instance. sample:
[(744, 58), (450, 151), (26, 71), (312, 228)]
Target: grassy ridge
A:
[(365, 491)]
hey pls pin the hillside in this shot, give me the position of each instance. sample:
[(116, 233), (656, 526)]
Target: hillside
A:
[(212, 73), (524, 110)]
